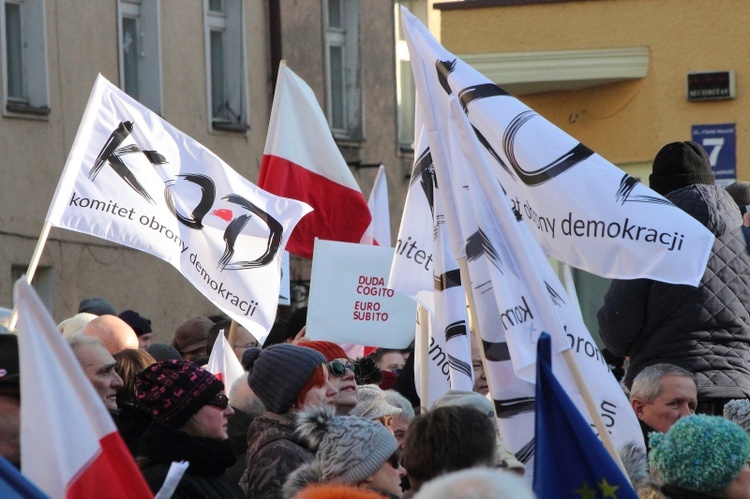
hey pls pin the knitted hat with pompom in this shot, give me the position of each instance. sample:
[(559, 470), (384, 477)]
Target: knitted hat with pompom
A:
[(348, 449), (700, 453)]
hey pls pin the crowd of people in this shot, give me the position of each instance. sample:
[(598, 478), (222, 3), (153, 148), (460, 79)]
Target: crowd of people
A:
[(306, 420)]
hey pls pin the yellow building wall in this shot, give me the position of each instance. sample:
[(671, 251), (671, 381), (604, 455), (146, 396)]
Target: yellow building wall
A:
[(625, 122)]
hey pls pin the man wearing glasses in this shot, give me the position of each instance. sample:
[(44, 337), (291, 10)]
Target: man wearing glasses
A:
[(341, 372)]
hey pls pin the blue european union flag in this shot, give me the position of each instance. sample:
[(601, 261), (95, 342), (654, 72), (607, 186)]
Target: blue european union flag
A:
[(13, 485), (570, 461)]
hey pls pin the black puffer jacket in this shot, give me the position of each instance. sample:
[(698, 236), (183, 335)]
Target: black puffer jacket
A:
[(208, 457), (706, 329)]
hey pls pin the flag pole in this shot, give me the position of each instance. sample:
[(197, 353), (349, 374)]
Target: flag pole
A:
[(40, 243), (424, 356), (232, 333), (604, 435), (463, 267)]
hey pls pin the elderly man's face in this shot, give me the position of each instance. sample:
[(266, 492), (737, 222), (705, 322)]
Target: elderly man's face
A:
[(679, 398), (99, 367)]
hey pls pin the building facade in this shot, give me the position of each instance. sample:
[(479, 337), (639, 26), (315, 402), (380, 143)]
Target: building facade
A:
[(208, 68)]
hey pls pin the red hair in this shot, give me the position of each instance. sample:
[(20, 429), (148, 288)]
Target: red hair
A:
[(316, 380)]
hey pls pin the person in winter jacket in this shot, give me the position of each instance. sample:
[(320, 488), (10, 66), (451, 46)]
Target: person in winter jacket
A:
[(287, 379), (348, 450), (703, 329), (189, 411)]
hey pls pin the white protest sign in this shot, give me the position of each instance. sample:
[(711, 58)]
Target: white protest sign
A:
[(349, 300)]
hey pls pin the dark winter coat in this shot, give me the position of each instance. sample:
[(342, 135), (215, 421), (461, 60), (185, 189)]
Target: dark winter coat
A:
[(208, 457), (704, 329), (274, 451)]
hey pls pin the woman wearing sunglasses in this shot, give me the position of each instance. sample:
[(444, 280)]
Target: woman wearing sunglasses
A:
[(348, 450), (341, 372), (189, 411)]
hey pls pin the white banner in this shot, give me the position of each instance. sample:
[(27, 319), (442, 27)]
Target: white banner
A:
[(350, 301), (581, 209), (133, 179), (518, 296)]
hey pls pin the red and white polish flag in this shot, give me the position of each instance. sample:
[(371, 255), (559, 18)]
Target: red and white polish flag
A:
[(301, 161), (223, 363), (70, 446)]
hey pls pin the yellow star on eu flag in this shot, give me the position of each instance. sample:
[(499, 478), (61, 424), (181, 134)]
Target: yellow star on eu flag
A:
[(607, 489), (585, 491)]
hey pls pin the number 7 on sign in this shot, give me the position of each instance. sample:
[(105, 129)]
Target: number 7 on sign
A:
[(715, 145)]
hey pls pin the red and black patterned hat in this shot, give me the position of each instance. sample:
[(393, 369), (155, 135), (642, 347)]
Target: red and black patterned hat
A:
[(174, 390)]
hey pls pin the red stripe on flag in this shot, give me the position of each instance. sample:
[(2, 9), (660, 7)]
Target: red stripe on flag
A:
[(112, 474), (341, 213)]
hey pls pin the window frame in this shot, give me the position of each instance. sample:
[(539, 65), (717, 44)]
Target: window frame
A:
[(231, 22), (149, 80), (346, 37), (34, 103)]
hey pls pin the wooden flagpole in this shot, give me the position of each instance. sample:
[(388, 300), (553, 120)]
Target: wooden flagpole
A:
[(40, 243), (232, 333), (463, 267)]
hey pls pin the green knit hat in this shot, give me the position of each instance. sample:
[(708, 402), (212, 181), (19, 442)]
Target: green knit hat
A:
[(700, 453)]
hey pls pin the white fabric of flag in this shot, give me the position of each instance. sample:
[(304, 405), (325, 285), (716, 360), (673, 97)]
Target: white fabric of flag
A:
[(70, 446), (432, 277), (413, 262), (583, 210), (380, 227), (132, 178), (223, 363), (518, 296)]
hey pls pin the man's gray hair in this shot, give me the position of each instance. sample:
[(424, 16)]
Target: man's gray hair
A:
[(477, 483), (647, 384), (77, 341)]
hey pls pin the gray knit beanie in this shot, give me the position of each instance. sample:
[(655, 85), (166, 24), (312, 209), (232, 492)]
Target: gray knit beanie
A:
[(372, 404), (348, 449), (738, 410), (278, 373)]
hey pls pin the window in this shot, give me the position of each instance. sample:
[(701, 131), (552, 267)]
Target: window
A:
[(24, 45), (225, 79), (404, 85), (140, 51), (343, 91)]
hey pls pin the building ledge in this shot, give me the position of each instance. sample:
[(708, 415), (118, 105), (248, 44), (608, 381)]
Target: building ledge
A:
[(521, 73)]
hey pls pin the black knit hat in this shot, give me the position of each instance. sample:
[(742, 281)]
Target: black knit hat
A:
[(740, 192), (278, 373), (679, 164), (140, 324), (174, 390)]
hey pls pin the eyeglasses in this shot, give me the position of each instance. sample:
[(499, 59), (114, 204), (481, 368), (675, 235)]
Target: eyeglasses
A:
[(221, 401), (339, 368), (395, 460)]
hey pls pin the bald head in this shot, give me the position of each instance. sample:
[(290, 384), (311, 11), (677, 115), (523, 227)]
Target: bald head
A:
[(112, 332)]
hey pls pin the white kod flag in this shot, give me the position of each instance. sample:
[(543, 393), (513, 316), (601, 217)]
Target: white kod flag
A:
[(413, 262), (517, 297), (582, 210), (133, 179)]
